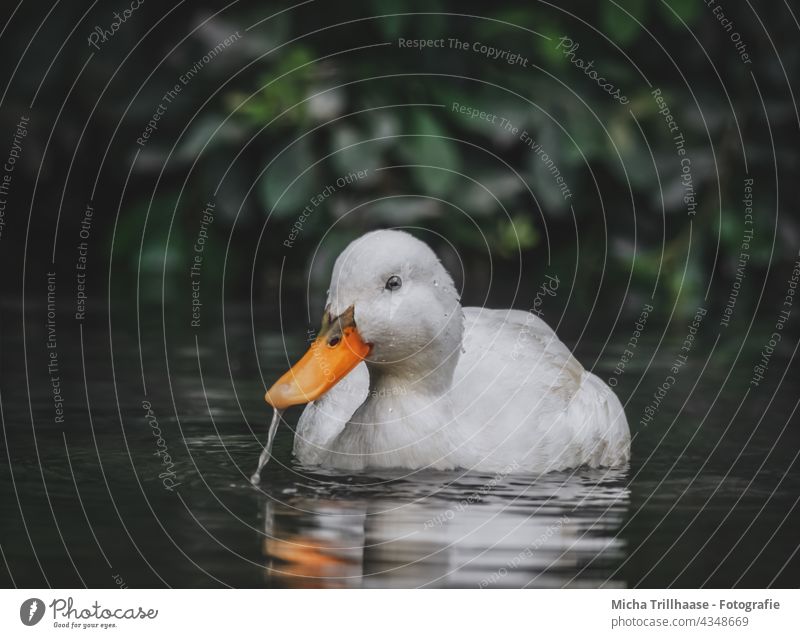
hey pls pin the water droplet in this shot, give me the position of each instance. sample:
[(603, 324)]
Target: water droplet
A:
[(255, 479)]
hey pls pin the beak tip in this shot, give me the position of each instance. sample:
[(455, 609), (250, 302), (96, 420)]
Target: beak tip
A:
[(280, 396), (273, 398)]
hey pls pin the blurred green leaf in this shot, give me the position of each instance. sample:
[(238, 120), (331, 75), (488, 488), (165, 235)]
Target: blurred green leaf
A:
[(392, 26), (621, 26), (729, 229), (206, 134), (429, 148), (550, 180), (282, 89), (686, 10), (278, 189), (516, 235), (144, 249), (631, 159), (353, 151)]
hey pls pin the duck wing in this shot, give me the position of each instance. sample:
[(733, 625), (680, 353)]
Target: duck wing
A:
[(528, 404)]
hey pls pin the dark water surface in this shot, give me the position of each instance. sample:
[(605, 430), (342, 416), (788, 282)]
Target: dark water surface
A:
[(709, 498)]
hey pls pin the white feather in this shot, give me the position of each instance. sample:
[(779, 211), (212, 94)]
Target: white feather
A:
[(487, 390)]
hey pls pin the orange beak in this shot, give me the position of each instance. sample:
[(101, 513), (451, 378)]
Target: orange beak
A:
[(335, 352)]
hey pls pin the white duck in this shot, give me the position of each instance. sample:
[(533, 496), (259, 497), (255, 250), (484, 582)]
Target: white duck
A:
[(401, 376)]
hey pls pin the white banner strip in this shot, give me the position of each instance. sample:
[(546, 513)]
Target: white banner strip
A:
[(372, 613)]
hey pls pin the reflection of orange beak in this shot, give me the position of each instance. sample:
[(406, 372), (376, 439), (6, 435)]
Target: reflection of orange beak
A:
[(335, 352)]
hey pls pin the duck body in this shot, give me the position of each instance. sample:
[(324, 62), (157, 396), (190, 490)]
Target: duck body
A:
[(401, 376), (519, 401)]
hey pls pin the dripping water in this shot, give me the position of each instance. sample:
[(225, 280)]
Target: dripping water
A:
[(266, 453)]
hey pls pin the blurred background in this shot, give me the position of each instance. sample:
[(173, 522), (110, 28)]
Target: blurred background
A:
[(650, 145), (314, 93)]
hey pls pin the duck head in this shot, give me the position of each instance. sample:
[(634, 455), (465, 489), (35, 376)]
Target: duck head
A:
[(392, 304)]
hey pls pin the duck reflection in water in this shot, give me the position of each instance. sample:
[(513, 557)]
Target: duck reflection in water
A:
[(555, 530)]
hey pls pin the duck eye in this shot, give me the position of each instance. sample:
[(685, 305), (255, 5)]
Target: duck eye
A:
[(393, 283), (334, 341)]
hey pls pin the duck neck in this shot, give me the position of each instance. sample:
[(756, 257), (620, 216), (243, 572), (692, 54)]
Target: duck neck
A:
[(407, 401), (412, 378), (423, 377)]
